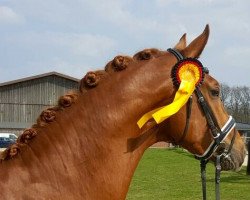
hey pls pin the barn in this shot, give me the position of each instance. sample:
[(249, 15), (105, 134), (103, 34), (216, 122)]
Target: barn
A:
[(244, 130), (22, 100)]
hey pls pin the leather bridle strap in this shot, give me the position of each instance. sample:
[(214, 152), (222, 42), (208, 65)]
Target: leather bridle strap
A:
[(218, 134), (203, 164), (224, 132), (179, 57), (211, 120), (218, 166), (176, 53)]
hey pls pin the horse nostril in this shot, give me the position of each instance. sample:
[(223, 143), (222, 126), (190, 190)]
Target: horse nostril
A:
[(221, 148), (227, 163), (223, 144)]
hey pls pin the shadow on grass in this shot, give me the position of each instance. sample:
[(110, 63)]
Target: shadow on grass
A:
[(234, 177), (180, 151), (228, 177)]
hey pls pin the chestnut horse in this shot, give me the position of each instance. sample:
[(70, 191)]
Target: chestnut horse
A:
[(89, 145)]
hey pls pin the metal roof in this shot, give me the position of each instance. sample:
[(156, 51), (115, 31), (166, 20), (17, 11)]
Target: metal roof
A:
[(243, 126), (39, 76)]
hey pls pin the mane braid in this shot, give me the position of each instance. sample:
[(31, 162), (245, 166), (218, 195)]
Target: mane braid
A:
[(46, 117), (89, 81)]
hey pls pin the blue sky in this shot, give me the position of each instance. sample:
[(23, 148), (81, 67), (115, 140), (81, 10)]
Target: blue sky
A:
[(73, 37)]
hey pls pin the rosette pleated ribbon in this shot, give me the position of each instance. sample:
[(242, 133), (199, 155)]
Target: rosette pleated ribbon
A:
[(188, 74)]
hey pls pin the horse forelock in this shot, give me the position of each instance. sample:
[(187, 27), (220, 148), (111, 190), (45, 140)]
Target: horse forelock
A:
[(89, 81)]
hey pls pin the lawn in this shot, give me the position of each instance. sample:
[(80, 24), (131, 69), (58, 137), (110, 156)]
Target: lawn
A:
[(175, 175)]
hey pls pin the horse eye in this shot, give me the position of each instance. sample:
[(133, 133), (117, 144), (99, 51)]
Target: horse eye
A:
[(215, 93)]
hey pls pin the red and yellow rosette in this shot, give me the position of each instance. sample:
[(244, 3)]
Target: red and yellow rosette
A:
[(186, 74)]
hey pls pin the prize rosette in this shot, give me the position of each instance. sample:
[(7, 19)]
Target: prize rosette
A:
[(189, 69), (186, 75)]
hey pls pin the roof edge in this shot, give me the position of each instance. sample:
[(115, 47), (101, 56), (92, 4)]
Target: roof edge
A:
[(39, 76)]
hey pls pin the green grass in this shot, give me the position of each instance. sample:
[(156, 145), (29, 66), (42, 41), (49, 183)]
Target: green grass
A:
[(175, 175)]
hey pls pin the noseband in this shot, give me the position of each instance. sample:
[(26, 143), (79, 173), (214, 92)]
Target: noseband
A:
[(218, 134)]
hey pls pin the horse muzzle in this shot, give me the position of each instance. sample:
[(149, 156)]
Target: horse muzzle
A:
[(233, 160), (227, 163)]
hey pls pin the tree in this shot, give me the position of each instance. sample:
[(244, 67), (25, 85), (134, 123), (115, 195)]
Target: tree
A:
[(248, 164), (225, 93), (237, 101)]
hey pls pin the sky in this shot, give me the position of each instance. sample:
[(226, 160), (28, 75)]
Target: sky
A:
[(77, 36)]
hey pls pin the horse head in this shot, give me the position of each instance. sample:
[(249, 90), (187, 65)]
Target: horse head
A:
[(190, 127)]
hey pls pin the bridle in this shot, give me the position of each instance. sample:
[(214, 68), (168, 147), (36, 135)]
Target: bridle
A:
[(218, 134)]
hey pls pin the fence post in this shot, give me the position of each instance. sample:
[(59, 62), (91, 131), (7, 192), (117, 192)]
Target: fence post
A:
[(248, 162)]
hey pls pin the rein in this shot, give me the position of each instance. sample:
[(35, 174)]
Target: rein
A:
[(219, 134)]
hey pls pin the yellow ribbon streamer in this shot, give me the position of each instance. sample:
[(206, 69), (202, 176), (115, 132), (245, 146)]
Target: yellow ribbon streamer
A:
[(189, 75)]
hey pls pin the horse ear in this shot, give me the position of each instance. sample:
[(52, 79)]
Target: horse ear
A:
[(182, 43), (195, 48)]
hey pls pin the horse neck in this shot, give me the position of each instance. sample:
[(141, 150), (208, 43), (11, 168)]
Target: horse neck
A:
[(76, 155), (92, 148)]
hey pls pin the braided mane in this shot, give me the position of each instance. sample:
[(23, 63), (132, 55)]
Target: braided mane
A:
[(89, 81)]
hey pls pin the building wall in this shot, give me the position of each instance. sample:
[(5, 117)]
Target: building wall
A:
[(21, 103)]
